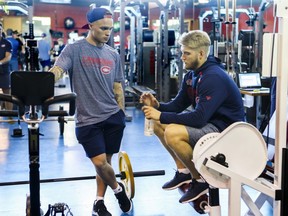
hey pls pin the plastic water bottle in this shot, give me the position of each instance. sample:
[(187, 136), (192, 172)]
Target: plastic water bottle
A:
[(148, 127)]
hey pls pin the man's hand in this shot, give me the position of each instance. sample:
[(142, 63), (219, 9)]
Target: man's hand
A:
[(58, 72), (149, 100), (151, 113)]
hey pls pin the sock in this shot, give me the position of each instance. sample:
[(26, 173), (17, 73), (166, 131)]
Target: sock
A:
[(200, 180), (99, 198), (118, 189), (185, 171)]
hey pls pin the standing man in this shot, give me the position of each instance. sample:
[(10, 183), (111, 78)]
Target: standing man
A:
[(5, 56), (44, 48), (21, 49), (97, 78), (13, 63), (216, 103)]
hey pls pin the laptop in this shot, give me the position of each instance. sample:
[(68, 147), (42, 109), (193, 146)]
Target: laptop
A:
[(250, 82)]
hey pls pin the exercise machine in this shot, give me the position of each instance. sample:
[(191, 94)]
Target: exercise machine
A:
[(238, 155), (35, 90)]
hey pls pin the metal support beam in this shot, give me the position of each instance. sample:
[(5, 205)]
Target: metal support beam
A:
[(281, 99)]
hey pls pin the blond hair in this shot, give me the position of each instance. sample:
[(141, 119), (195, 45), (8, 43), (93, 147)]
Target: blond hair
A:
[(196, 39)]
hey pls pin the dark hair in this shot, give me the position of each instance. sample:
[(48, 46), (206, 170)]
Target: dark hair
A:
[(9, 32)]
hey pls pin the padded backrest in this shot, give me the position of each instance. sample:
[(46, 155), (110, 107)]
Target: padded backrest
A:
[(32, 88)]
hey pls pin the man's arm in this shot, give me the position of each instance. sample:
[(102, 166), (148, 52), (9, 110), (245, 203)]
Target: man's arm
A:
[(6, 59), (119, 94), (58, 72)]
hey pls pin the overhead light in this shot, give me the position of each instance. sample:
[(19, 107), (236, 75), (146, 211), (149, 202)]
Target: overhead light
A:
[(203, 1), (56, 1)]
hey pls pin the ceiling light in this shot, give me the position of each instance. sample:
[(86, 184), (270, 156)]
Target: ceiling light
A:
[(203, 1)]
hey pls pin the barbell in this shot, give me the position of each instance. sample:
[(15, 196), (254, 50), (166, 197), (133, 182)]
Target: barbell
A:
[(126, 175)]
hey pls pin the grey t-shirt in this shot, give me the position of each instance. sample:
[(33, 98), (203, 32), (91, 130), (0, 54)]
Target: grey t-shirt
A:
[(92, 70)]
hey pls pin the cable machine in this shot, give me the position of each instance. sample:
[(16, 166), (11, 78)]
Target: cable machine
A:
[(162, 62)]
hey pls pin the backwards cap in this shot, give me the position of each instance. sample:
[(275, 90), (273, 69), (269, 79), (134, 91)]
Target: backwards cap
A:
[(96, 14)]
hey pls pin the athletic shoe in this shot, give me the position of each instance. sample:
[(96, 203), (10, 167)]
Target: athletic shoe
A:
[(196, 189), (123, 200), (178, 180), (99, 209)]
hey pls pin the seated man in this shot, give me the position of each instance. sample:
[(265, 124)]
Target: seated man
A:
[(216, 103)]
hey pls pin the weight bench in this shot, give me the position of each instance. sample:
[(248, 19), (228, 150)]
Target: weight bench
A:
[(35, 89)]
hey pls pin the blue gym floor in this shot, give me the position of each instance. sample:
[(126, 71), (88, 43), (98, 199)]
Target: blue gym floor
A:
[(62, 157)]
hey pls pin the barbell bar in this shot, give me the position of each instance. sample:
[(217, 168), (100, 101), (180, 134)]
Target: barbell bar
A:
[(126, 175)]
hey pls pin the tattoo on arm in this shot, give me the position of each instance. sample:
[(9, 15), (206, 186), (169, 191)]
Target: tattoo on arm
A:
[(119, 95)]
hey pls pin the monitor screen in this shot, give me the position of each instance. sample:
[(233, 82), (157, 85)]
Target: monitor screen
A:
[(246, 80)]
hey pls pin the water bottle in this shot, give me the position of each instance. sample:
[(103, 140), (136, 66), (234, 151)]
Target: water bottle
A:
[(148, 127)]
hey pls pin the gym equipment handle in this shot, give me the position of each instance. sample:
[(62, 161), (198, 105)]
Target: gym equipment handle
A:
[(56, 99), (60, 98), (14, 100)]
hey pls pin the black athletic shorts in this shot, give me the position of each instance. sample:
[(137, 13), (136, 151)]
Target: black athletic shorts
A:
[(103, 137)]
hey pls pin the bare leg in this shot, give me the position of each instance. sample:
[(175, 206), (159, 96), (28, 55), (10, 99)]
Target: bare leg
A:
[(105, 173), (8, 105), (159, 131), (177, 138)]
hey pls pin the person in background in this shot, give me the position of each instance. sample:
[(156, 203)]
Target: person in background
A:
[(44, 48), (21, 49), (13, 63), (5, 56), (216, 103), (61, 45), (58, 47), (97, 77)]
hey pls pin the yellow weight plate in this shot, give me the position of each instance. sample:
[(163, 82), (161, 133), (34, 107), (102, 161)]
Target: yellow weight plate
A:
[(126, 172), (28, 205)]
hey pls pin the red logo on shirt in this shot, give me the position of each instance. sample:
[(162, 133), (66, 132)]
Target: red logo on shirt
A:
[(106, 70), (208, 98)]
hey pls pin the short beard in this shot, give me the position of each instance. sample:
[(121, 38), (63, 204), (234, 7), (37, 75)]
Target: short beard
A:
[(194, 65)]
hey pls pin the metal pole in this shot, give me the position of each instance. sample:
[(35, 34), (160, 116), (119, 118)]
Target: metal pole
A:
[(233, 37), (131, 46), (181, 19), (122, 32), (227, 35)]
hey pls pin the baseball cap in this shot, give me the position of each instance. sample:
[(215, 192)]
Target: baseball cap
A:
[(96, 14)]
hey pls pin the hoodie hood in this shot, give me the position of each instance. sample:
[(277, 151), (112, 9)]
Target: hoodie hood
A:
[(211, 60)]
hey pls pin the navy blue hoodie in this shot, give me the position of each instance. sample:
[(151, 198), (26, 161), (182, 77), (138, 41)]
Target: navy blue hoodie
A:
[(213, 95)]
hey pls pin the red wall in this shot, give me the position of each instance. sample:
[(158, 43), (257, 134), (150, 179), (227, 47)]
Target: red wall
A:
[(58, 13)]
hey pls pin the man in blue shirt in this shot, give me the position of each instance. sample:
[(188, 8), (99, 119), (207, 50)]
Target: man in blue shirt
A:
[(44, 48), (5, 56), (13, 64), (216, 103)]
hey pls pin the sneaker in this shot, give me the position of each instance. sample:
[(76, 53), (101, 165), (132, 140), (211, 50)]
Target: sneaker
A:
[(123, 200), (178, 180), (196, 189), (99, 209)]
